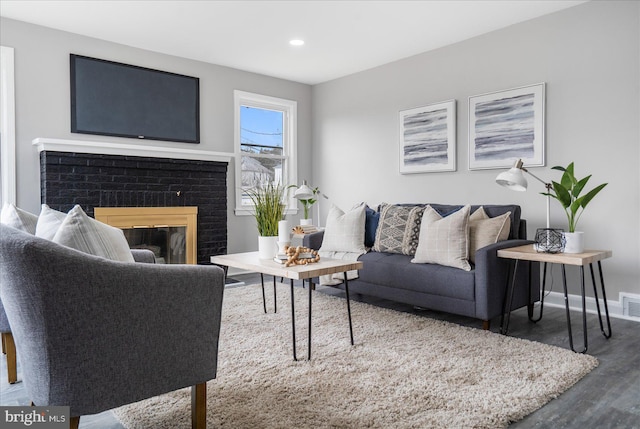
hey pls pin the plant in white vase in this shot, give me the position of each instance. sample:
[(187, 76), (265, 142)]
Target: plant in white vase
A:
[(307, 197), (568, 193), (269, 210)]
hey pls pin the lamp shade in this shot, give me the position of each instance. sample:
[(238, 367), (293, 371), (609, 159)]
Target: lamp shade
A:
[(304, 192), (512, 179)]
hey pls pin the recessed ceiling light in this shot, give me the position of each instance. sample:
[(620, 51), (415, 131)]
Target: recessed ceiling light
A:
[(296, 42)]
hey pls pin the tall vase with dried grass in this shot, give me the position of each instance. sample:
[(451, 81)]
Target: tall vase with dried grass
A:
[(269, 209)]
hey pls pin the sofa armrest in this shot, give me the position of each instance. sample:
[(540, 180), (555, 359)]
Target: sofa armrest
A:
[(313, 240), (143, 255), (492, 275), (522, 234)]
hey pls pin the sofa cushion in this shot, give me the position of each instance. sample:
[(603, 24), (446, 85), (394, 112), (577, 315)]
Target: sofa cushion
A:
[(344, 231), (484, 230), (444, 240), (497, 210), (491, 211), (370, 226), (88, 235), (398, 228), (396, 271), (19, 219), (48, 222)]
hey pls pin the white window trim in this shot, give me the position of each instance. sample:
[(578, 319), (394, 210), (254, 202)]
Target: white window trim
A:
[(290, 109), (8, 125)]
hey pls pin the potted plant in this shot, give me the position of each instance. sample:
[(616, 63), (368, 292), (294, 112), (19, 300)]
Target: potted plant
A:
[(307, 197), (568, 193), (269, 210)]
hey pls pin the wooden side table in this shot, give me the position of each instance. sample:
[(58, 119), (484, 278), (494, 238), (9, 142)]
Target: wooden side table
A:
[(529, 254)]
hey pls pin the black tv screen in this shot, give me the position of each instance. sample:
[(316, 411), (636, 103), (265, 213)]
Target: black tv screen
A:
[(115, 99)]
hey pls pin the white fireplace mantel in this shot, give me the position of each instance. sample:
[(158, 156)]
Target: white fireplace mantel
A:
[(106, 148)]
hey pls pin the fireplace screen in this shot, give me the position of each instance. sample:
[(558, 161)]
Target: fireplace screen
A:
[(168, 244), (169, 232)]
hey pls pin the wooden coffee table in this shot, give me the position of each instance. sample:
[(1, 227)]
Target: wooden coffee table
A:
[(250, 261)]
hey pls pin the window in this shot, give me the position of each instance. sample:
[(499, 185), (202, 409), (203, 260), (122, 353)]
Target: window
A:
[(265, 144), (7, 128)]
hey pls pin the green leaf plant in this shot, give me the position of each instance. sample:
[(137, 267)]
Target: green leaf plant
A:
[(269, 208), (306, 204), (568, 191)]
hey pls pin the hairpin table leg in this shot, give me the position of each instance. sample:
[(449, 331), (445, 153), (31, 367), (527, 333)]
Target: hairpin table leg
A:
[(544, 282), (346, 289), (604, 299), (275, 301), (264, 300), (293, 322), (584, 309), (309, 340), (508, 298)]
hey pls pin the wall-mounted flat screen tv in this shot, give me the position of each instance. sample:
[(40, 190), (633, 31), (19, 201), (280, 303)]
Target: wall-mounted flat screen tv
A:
[(115, 99)]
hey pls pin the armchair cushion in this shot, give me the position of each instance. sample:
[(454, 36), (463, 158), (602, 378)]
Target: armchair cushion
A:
[(88, 235), (49, 222), (18, 218)]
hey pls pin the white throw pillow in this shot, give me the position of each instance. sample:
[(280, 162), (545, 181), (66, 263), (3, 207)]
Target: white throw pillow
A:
[(18, 218), (48, 222), (485, 230), (83, 233), (344, 231), (444, 241)]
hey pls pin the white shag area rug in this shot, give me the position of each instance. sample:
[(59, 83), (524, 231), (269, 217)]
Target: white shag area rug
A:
[(405, 371)]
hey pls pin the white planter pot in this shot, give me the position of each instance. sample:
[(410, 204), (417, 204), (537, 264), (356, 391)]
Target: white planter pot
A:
[(574, 242), (306, 222), (267, 247)]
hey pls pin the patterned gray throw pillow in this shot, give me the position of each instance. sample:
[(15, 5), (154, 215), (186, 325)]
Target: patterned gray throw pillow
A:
[(398, 228)]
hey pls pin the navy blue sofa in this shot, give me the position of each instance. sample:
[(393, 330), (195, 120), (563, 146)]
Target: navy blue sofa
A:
[(478, 293)]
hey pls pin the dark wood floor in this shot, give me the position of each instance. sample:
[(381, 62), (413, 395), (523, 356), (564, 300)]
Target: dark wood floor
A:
[(608, 397)]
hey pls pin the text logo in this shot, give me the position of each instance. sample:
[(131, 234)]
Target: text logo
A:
[(35, 417)]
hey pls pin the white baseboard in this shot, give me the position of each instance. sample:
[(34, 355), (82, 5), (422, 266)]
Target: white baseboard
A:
[(556, 299)]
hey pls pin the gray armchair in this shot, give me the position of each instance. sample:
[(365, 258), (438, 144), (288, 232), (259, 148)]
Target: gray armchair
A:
[(95, 334), (8, 345)]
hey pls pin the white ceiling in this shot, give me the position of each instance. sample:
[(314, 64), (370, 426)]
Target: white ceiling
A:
[(341, 37)]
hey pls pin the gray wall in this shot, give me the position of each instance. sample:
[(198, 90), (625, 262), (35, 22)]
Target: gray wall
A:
[(588, 56), (43, 105)]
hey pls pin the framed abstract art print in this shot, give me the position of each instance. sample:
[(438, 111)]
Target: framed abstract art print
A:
[(505, 126), (428, 138)]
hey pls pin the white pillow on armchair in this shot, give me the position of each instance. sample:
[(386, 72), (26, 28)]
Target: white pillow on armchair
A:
[(88, 235)]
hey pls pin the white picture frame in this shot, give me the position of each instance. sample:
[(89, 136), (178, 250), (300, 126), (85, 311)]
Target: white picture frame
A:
[(505, 126), (428, 138)]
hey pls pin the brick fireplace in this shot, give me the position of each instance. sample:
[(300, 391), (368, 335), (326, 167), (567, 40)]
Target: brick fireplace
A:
[(69, 176)]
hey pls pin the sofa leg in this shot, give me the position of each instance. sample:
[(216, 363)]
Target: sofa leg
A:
[(199, 406), (486, 324), (10, 350)]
